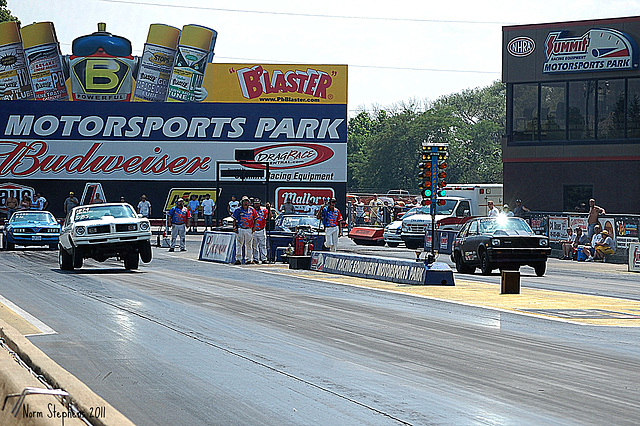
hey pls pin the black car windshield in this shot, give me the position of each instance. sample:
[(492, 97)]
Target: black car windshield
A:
[(41, 217), (98, 211), (446, 209), (489, 226)]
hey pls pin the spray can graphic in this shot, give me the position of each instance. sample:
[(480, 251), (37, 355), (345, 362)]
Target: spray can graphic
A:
[(101, 67), (190, 64), (156, 64), (42, 51), (15, 83)]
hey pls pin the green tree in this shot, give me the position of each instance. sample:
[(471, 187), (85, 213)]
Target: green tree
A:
[(5, 14), (384, 147)]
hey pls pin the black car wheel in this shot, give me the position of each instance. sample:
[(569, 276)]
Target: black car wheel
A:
[(131, 260), (462, 267), (485, 266), (65, 260), (412, 245), (392, 244), (540, 268), (145, 251), (76, 254)]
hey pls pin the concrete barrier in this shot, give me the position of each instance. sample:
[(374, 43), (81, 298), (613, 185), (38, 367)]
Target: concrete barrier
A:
[(46, 409), (400, 271)]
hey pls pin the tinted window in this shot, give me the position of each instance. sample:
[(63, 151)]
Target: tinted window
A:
[(553, 122), (525, 112), (633, 108), (582, 109), (610, 109)]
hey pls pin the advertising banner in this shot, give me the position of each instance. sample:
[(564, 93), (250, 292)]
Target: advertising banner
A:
[(394, 270), (558, 228), (300, 197), (599, 49), (186, 193), (276, 83), (218, 247), (578, 222), (634, 257), (94, 141)]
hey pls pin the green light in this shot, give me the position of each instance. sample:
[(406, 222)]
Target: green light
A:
[(442, 193), (427, 193)]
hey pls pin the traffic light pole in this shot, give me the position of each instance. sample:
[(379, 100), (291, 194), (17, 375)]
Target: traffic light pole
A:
[(432, 170)]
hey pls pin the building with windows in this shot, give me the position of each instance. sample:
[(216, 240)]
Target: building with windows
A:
[(573, 114)]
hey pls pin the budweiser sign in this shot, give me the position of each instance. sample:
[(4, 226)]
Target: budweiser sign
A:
[(300, 197), (39, 159)]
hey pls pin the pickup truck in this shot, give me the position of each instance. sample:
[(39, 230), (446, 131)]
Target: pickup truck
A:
[(463, 202), (454, 212)]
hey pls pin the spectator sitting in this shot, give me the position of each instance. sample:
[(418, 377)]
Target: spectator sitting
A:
[(567, 245), (590, 250), (603, 248), (580, 240)]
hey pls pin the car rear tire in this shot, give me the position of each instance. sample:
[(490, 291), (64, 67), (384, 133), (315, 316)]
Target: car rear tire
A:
[(65, 260), (485, 265), (131, 260), (76, 254), (145, 251), (391, 244), (540, 268), (9, 246), (462, 267), (53, 246)]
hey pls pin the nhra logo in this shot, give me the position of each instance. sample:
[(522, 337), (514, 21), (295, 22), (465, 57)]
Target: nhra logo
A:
[(291, 156), (521, 46)]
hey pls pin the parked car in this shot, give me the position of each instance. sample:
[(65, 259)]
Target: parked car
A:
[(290, 222), (31, 228), (502, 242), (393, 230), (102, 231)]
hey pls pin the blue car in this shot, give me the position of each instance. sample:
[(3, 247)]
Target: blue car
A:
[(31, 228)]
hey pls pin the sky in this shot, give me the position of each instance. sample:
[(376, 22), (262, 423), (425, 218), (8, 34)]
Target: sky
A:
[(397, 51)]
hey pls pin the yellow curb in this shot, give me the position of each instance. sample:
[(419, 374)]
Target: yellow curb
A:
[(14, 378), (557, 305)]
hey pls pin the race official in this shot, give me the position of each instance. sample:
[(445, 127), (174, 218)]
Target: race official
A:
[(177, 218), (331, 219), (260, 234), (244, 224)]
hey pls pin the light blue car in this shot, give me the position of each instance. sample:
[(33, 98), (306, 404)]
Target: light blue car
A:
[(31, 228)]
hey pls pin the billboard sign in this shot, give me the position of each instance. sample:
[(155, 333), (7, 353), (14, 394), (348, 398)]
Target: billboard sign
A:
[(300, 197), (598, 49)]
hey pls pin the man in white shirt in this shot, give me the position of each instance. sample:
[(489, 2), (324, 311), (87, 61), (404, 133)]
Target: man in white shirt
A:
[(493, 211), (41, 202), (208, 207), (144, 206), (233, 205)]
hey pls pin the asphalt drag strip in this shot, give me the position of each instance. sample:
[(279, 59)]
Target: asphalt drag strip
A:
[(554, 305)]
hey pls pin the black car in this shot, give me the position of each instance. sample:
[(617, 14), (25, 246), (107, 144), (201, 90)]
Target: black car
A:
[(502, 242)]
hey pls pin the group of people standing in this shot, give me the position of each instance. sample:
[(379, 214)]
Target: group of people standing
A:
[(26, 203)]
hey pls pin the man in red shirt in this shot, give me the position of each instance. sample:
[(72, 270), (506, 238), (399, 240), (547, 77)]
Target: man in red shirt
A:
[(331, 219), (260, 234), (244, 224)]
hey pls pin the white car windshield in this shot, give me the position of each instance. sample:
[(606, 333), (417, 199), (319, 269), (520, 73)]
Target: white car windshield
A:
[(42, 217), (503, 223), (99, 211), (295, 221)]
